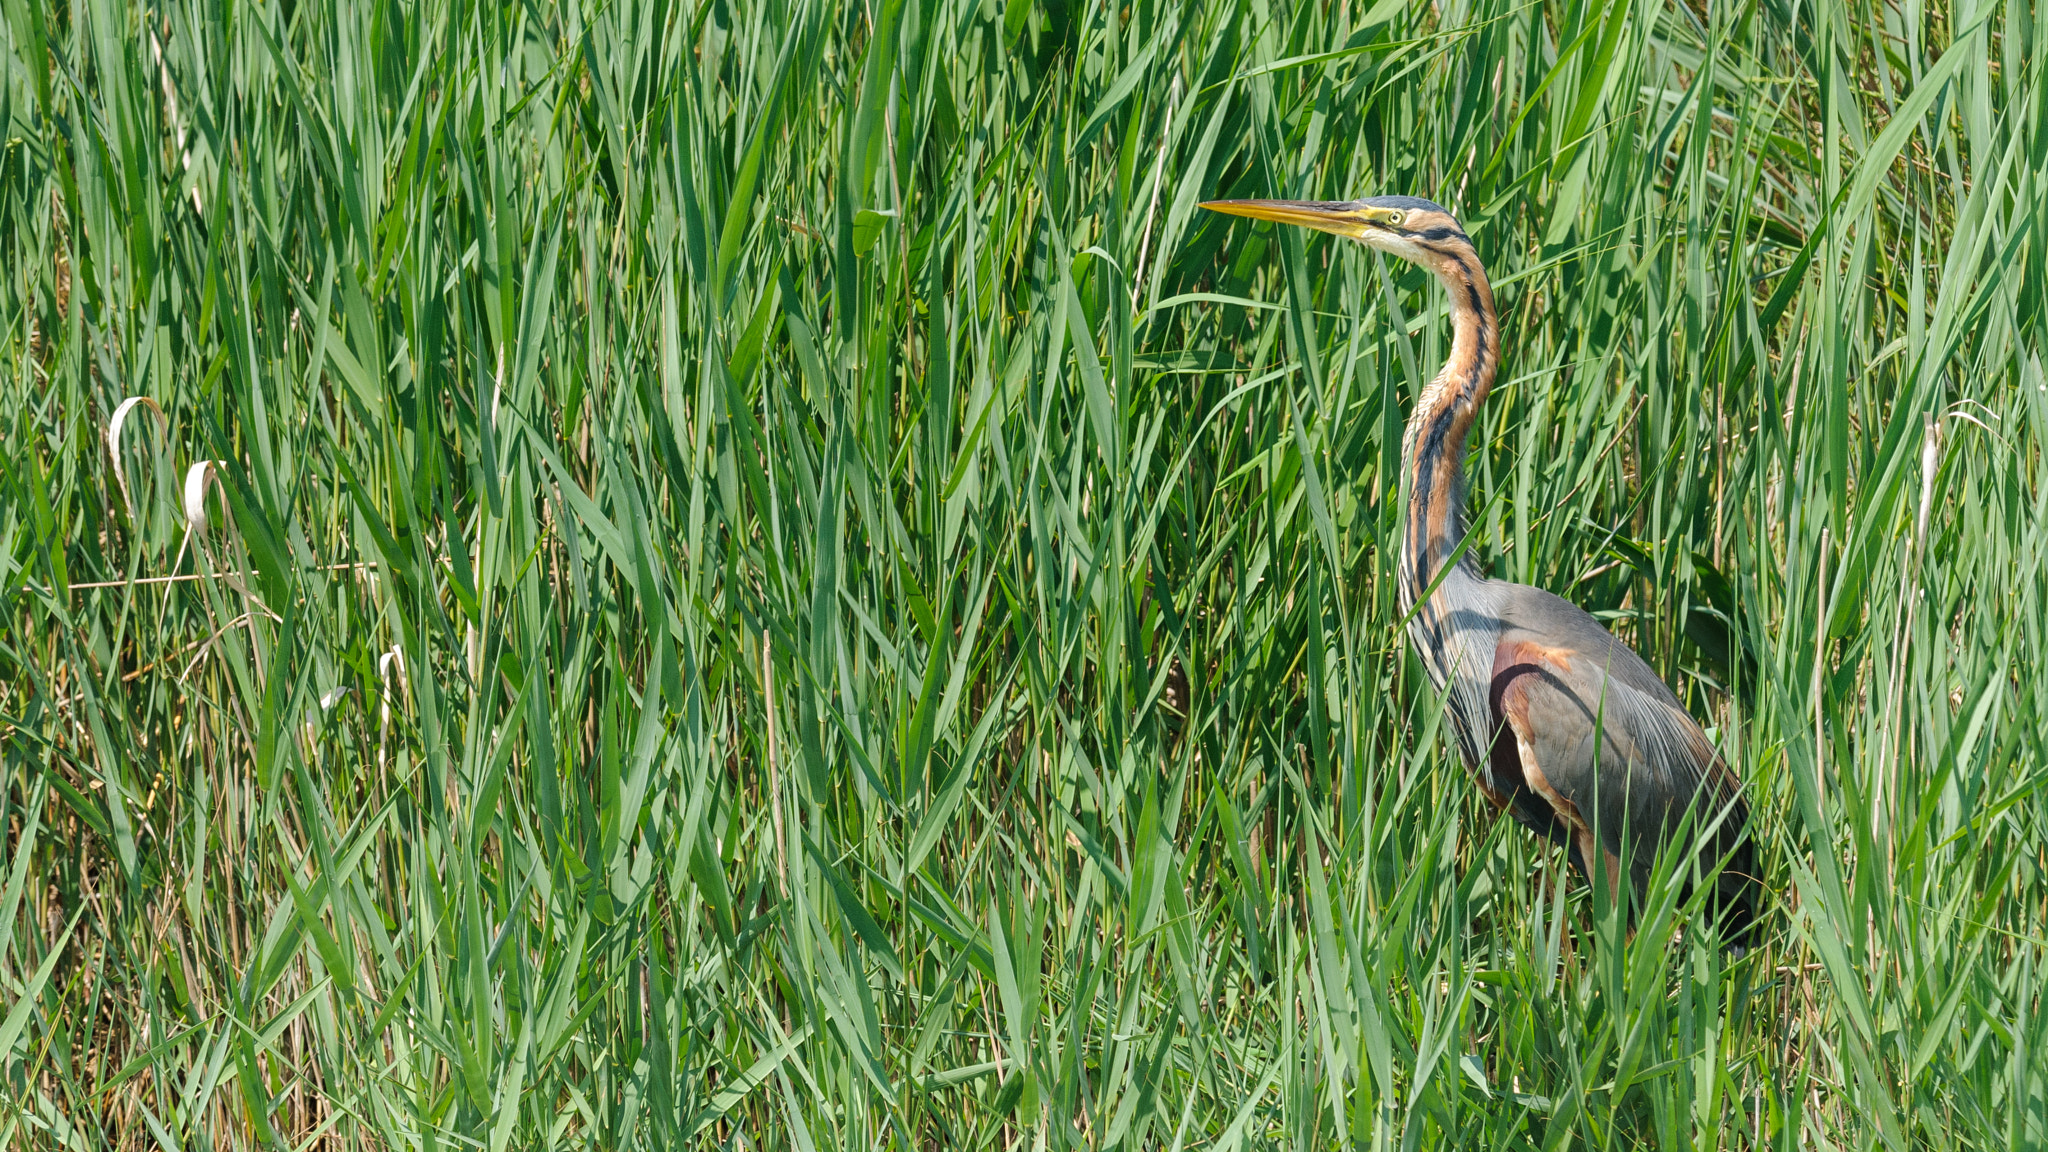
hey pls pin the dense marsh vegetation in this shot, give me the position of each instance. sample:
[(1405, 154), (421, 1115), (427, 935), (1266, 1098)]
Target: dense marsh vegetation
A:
[(768, 581)]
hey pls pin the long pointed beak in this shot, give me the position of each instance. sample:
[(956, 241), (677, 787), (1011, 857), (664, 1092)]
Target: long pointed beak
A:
[(1338, 216)]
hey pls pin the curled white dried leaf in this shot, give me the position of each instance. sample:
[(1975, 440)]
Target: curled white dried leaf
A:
[(332, 697), (198, 479), (391, 670), (114, 426), (390, 666)]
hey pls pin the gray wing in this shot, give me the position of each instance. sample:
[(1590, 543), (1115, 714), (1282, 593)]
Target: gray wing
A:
[(1605, 741)]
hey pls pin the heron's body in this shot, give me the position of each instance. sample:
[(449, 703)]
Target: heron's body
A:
[(1561, 724)]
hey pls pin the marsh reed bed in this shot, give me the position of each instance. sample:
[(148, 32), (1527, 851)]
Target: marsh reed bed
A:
[(756, 575)]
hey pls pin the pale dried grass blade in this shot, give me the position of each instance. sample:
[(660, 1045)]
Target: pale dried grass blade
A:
[(114, 426), (198, 478)]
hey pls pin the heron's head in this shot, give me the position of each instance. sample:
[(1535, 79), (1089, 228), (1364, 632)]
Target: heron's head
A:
[(1405, 226)]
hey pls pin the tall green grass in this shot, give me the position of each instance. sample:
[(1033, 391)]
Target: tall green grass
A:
[(770, 582)]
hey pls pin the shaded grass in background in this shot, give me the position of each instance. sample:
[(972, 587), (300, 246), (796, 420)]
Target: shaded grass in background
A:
[(772, 583)]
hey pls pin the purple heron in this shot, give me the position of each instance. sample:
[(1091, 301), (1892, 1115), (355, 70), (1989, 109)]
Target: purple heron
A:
[(1561, 724)]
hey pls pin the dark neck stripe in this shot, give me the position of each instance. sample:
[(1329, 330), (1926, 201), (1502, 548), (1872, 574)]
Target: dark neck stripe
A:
[(1434, 444)]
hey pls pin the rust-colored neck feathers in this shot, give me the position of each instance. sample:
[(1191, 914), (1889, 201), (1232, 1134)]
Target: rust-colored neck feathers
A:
[(1433, 450)]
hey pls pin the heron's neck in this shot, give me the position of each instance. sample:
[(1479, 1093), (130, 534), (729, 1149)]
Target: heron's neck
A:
[(1433, 449)]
